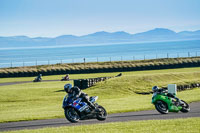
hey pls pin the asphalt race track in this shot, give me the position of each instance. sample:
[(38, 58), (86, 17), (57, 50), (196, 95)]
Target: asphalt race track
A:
[(120, 117), (22, 82)]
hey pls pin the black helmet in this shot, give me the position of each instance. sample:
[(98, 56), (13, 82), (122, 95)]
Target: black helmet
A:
[(67, 87), (155, 88)]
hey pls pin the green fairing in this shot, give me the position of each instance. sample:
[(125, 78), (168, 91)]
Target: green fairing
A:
[(163, 97)]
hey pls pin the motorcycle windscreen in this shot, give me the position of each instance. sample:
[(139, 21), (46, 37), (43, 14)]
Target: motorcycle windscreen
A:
[(93, 99)]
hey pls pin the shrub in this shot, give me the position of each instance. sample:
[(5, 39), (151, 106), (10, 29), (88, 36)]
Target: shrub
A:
[(95, 67)]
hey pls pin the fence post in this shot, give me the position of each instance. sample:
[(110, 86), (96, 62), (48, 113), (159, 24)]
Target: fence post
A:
[(177, 55), (156, 56), (11, 64), (48, 62), (133, 57), (167, 55), (61, 61), (36, 63), (23, 63), (97, 60), (84, 60), (144, 57), (188, 54), (121, 58)]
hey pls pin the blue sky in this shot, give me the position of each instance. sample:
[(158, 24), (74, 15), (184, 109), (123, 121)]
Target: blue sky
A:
[(51, 18)]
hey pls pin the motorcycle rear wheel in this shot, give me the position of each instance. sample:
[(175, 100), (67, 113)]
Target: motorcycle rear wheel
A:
[(185, 107), (101, 116), (161, 107), (72, 115)]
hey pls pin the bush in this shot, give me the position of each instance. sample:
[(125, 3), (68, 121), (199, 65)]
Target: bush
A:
[(117, 66)]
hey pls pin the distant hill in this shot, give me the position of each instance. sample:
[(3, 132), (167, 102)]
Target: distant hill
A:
[(157, 34)]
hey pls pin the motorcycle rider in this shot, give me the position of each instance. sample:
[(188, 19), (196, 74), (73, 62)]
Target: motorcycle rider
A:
[(75, 92), (66, 77), (156, 89), (39, 77)]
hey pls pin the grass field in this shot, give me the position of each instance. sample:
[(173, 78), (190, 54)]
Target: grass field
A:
[(189, 125), (58, 77), (43, 100), (94, 75)]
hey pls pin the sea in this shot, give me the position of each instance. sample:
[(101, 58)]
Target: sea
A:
[(46, 55)]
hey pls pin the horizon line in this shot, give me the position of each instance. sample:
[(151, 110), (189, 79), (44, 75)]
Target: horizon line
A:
[(94, 33)]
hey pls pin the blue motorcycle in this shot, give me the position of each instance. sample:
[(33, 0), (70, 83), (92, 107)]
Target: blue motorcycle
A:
[(76, 110)]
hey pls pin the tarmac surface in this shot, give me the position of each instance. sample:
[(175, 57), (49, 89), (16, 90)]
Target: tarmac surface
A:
[(119, 117), (23, 82)]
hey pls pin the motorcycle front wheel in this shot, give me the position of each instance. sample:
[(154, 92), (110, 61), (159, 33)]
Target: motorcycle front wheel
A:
[(102, 115), (161, 107), (185, 107), (72, 115)]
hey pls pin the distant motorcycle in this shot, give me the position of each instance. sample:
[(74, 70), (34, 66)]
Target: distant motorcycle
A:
[(65, 79), (166, 102), (37, 79), (77, 110)]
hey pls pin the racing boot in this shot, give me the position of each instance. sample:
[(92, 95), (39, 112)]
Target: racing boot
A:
[(179, 101)]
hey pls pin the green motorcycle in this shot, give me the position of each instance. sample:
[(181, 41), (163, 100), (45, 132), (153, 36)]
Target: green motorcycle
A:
[(166, 102)]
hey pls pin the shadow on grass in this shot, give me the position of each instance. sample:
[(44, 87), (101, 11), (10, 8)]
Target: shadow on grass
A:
[(59, 91)]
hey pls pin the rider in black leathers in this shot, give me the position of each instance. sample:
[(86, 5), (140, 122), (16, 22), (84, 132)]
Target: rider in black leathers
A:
[(155, 88), (39, 77), (75, 92)]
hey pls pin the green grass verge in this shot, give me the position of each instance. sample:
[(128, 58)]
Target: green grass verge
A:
[(58, 77), (189, 125), (43, 100), (94, 75)]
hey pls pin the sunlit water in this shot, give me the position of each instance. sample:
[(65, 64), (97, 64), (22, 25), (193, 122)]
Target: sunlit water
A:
[(12, 57)]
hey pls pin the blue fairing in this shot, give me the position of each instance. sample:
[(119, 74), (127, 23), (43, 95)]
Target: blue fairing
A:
[(66, 101), (77, 104)]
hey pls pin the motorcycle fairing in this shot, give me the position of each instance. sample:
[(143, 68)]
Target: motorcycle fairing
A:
[(167, 100)]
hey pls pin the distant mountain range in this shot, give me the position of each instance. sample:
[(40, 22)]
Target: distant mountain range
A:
[(157, 34)]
